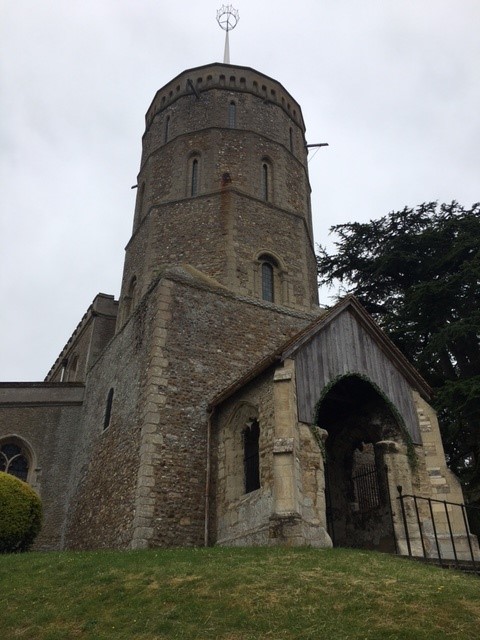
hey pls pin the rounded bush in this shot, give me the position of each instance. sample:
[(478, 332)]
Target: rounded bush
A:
[(20, 514)]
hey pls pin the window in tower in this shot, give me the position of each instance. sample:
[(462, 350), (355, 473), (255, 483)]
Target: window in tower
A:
[(251, 456), (14, 459), (194, 178), (267, 282), (291, 139), (232, 115), (108, 410), (265, 181), (269, 278)]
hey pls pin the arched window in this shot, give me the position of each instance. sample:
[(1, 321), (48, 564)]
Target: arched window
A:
[(268, 287), (251, 456), (14, 460), (268, 276), (194, 178), (232, 115), (265, 181), (108, 410)]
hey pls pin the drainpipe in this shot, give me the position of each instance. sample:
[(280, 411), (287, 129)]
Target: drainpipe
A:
[(211, 413)]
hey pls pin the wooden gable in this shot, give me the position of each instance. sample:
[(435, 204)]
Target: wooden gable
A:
[(349, 343)]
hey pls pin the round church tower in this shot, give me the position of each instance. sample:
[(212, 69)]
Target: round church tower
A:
[(223, 187)]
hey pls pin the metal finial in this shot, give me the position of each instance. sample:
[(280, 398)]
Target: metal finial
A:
[(227, 18)]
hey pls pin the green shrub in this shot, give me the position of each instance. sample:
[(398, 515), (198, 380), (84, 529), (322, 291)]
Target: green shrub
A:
[(20, 514)]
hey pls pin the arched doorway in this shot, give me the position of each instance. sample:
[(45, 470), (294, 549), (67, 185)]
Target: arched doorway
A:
[(357, 417)]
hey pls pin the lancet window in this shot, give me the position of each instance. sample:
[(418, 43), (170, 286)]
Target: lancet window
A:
[(251, 456), (232, 115)]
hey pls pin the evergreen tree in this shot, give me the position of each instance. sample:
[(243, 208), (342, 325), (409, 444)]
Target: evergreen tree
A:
[(417, 271)]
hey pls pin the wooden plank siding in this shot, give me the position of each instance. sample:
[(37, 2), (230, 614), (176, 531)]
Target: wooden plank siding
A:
[(345, 347)]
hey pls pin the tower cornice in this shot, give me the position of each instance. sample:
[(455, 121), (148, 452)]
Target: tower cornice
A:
[(225, 77)]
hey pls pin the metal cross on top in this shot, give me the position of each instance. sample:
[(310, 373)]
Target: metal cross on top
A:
[(227, 18)]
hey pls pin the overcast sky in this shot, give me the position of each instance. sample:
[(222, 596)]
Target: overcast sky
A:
[(392, 85)]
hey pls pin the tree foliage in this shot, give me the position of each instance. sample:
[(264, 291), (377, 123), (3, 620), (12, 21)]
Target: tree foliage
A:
[(417, 271), (20, 514)]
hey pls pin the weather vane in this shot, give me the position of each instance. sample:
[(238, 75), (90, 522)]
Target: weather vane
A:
[(227, 18)]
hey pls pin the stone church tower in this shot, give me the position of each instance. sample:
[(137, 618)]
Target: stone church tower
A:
[(220, 270), (223, 187), (198, 409)]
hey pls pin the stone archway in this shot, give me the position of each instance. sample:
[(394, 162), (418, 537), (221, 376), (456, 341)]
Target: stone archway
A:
[(357, 419)]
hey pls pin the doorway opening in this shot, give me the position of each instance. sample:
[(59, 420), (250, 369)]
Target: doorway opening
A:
[(358, 504)]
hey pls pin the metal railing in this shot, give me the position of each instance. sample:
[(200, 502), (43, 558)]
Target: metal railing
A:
[(451, 533)]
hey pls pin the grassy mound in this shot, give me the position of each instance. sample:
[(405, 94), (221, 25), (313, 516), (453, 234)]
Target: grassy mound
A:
[(234, 594)]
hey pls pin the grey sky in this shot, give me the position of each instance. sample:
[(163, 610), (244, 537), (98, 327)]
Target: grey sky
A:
[(393, 86)]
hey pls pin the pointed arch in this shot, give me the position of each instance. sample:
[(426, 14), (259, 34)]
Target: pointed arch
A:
[(352, 376), (358, 420)]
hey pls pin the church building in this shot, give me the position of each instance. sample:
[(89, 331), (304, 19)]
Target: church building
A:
[(215, 402)]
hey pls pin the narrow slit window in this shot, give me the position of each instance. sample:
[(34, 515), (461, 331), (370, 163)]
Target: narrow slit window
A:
[(194, 180), (265, 181), (291, 139), (108, 410), (251, 456), (267, 282), (232, 115)]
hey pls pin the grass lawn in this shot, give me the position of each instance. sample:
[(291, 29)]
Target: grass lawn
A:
[(233, 594)]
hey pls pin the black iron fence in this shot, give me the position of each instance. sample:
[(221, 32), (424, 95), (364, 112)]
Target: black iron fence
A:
[(450, 543)]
